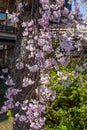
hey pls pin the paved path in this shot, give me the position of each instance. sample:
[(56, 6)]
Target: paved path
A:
[(5, 125)]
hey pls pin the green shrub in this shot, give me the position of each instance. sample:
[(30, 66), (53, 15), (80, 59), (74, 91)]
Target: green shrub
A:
[(69, 109)]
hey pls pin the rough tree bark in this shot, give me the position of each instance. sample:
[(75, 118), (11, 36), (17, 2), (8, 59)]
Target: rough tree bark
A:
[(21, 54)]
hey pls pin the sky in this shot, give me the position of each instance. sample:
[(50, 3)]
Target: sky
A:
[(83, 9)]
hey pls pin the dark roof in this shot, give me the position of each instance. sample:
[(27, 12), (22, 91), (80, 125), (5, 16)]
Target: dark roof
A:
[(8, 38)]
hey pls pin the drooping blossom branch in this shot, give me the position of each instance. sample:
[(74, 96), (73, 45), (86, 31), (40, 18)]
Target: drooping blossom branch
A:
[(38, 55)]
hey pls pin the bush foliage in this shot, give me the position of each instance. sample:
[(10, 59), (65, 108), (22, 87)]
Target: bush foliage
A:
[(69, 110)]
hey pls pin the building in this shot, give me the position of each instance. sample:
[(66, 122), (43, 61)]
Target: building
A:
[(7, 39), (67, 4)]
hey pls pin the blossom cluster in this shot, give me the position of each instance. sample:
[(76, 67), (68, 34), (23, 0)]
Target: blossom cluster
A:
[(13, 17), (9, 81), (9, 103), (33, 114), (38, 59)]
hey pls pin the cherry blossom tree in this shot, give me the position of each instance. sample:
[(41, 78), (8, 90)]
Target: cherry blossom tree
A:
[(34, 55)]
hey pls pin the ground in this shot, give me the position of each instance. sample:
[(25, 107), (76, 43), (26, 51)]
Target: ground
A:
[(5, 125)]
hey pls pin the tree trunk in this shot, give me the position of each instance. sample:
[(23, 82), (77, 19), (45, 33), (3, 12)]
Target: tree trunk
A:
[(21, 54), (27, 93)]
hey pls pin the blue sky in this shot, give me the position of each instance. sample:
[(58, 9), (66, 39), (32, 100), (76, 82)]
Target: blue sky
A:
[(83, 9)]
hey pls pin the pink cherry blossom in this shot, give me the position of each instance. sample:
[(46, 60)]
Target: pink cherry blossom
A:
[(65, 11), (47, 48), (30, 23), (57, 14), (44, 2), (20, 65), (24, 24), (66, 46), (27, 82), (25, 33), (33, 68), (9, 104), (49, 62), (4, 109), (13, 17), (17, 103), (11, 92), (22, 118), (20, 6), (77, 6), (9, 81), (5, 70), (41, 42)]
